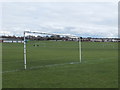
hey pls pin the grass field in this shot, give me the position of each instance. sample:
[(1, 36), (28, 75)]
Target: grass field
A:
[(56, 65)]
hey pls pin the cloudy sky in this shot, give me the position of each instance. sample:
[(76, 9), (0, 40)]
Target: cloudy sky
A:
[(86, 19)]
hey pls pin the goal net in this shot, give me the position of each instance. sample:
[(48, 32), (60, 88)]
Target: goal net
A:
[(48, 49)]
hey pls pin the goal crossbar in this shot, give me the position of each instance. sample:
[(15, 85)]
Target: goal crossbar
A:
[(68, 35)]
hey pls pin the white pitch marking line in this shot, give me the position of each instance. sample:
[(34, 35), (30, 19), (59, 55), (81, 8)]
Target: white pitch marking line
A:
[(40, 67)]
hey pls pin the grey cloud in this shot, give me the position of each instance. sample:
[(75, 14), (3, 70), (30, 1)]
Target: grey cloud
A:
[(93, 19)]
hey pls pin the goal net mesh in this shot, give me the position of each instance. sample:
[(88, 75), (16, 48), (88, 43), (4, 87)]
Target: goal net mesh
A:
[(51, 51)]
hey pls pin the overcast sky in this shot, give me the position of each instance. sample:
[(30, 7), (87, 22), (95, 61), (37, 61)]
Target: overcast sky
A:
[(86, 19)]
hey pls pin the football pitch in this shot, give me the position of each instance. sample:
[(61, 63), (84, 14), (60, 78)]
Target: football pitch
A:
[(55, 64)]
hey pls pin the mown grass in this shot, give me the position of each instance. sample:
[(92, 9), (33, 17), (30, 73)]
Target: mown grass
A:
[(48, 65)]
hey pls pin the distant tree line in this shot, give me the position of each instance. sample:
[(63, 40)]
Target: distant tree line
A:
[(58, 37), (31, 37)]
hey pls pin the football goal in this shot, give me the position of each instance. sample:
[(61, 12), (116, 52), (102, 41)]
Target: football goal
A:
[(47, 49)]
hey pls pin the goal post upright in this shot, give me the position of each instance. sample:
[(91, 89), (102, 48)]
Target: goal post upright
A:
[(80, 51), (25, 58)]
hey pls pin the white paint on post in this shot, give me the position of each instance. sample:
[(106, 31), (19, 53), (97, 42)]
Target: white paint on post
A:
[(24, 52), (80, 53)]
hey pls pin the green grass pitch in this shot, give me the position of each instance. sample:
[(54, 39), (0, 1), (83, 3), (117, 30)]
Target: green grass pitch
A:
[(55, 64)]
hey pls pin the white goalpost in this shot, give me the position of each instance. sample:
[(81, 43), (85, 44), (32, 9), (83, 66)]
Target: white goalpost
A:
[(68, 35)]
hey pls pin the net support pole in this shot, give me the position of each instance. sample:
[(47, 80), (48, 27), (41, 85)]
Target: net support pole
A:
[(24, 52), (80, 52)]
